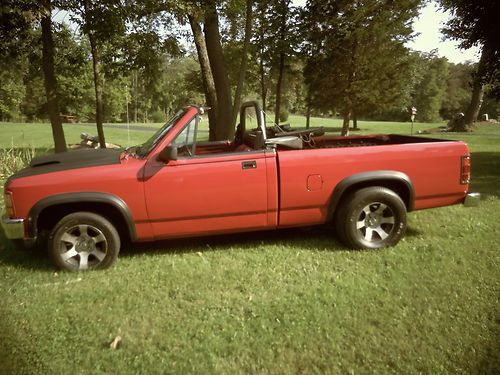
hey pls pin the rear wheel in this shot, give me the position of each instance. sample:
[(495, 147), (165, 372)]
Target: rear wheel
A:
[(371, 218), (83, 241)]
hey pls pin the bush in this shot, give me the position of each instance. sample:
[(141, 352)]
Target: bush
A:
[(158, 116), (14, 159), (284, 114)]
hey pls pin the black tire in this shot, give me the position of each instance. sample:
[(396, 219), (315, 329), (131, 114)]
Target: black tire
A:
[(371, 218), (82, 241)]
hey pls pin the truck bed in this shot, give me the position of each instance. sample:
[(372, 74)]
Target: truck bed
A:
[(366, 140)]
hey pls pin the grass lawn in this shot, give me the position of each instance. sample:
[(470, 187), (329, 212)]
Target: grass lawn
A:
[(291, 301)]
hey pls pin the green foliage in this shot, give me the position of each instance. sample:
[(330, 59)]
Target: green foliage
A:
[(475, 23), (73, 68), (158, 117), (457, 95), (284, 114), (430, 90), (356, 55), (12, 91), (14, 159)]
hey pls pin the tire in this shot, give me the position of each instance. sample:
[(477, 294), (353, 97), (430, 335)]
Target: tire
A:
[(371, 218), (83, 241)]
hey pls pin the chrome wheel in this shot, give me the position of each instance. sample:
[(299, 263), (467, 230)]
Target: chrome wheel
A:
[(83, 247), (83, 241), (371, 218), (375, 222)]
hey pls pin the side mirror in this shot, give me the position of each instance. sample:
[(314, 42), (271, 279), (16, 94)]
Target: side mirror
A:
[(168, 153)]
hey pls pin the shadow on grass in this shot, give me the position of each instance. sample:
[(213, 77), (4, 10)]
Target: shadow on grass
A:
[(413, 232), (31, 259), (486, 173), (316, 238), (320, 238)]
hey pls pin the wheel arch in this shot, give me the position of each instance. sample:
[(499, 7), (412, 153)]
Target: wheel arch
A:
[(396, 181), (48, 211)]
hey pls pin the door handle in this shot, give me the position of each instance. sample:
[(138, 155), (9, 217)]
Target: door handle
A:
[(249, 164)]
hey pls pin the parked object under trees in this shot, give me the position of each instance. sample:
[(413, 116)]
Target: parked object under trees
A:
[(264, 178)]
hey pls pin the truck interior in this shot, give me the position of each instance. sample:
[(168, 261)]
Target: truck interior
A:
[(252, 134)]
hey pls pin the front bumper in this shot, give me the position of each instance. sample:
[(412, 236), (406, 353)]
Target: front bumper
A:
[(472, 200), (13, 228)]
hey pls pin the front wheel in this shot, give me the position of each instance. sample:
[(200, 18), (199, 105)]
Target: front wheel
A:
[(371, 218), (83, 241)]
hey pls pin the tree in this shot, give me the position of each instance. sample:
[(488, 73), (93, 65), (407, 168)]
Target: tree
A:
[(206, 72), (475, 23), (17, 20), (458, 85), (214, 67), (274, 46), (429, 92), (357, 61), (50, 78), (224, 126), (101, 22), (283, 15), (12, 90), (244, 59)]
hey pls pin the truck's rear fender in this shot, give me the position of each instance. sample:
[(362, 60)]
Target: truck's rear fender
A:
[(396, 181), (47, 212)]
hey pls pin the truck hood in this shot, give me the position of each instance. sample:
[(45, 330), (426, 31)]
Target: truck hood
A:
[(69, 160)]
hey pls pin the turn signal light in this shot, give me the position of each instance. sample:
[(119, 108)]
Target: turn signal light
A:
[(465, 170)]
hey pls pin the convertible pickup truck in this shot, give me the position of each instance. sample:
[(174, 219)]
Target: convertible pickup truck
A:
[(179, 184)]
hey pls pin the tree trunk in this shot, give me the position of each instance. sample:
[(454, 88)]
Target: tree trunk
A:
[(50, 79), (354, 121), (98, 81), (345, 125), (348, 111), (281, 63), (224, 127), (472, 111), (278, 89), (262, 71), (308, 112), (308, 116), (263, 87), (474, 107), (206, 75), (244, 59)]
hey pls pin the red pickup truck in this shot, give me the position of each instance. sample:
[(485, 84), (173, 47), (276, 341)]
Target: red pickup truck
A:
[(177, 184)]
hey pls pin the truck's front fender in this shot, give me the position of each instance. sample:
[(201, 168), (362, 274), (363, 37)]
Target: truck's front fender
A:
[(78, 198)]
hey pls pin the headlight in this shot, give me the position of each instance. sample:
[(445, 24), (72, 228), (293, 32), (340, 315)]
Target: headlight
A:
[(9, 204)]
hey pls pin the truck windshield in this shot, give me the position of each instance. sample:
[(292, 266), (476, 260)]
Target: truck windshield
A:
[(151, 143)]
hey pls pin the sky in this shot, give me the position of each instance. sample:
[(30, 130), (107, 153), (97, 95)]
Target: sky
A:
[(429, 37), (427, 25)]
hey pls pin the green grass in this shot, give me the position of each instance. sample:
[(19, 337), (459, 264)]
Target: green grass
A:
[(292, 301)]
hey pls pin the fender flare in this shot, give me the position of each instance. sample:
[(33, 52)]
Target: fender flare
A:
[(374, 178), (81, 197)]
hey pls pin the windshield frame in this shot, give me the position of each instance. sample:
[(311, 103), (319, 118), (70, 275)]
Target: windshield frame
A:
[(147, 147)]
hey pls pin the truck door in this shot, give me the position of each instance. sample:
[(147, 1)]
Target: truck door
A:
[(211, 190)]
